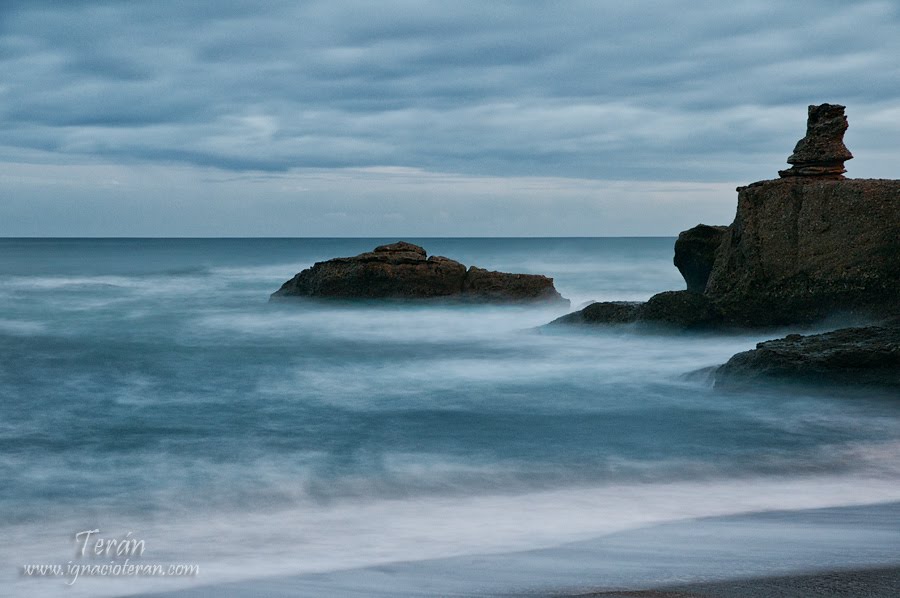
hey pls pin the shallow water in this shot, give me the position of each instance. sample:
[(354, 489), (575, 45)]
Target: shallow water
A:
[(148, 386)]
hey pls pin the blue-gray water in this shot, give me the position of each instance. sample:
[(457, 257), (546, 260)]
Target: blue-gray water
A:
[(148, 386)]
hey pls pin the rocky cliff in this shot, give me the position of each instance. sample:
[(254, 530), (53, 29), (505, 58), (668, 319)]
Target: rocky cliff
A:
[(801, 247)]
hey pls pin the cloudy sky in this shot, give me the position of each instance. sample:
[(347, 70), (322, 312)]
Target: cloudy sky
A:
[(390, 118)]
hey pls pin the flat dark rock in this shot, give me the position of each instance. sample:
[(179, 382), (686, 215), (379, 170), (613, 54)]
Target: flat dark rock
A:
[(682, 310), (405, 271), (604, 312), (859, 356)]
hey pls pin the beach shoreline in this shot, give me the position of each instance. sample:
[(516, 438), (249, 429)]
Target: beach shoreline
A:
[(878, 582), (769, 554)]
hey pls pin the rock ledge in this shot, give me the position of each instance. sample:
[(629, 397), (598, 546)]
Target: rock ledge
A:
[(868, 356), (405, 271)]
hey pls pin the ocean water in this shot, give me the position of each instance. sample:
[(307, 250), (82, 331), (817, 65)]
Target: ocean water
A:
[(148, 387)]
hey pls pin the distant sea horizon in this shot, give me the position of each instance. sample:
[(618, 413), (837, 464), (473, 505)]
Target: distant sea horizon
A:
[(352, 237)]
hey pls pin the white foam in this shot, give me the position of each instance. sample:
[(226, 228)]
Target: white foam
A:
[(319, 538)]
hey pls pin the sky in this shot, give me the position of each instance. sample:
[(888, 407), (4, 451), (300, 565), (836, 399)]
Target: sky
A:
[(418, 118)]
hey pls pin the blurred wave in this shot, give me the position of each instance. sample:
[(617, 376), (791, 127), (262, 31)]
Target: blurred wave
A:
[(147, 385)]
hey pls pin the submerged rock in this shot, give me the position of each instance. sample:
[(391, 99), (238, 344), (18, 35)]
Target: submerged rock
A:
[(860, 356), (681, 309), (404, 271), (604, 312), (821, 153), (673, 309), (695, 253)]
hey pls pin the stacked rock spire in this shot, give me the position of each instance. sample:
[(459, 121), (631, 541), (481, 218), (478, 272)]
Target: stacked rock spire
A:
[(822, 152)]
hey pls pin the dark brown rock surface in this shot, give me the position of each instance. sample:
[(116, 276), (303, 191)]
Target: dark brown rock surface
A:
[(821, 153), (489, 286), (695, 253), (404, 271), (603, 312), (801, 249), (859, 356), (681, 309), (673, 309)]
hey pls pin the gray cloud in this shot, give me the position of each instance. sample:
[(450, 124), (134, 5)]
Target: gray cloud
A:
[(649, 90)]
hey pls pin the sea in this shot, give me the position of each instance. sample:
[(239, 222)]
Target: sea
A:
[(157, 409)]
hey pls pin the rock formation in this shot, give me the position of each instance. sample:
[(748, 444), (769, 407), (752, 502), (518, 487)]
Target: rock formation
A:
[(695, 253), (488, 286), (404, 271), (681, 309), (801, 247), (822, 152), (675, 309), (857, 356), (604, 312)]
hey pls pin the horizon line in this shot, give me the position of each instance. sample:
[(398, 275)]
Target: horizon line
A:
[(72, 237)]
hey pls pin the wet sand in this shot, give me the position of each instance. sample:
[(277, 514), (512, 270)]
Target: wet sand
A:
[(864, 583), (834, 552)]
